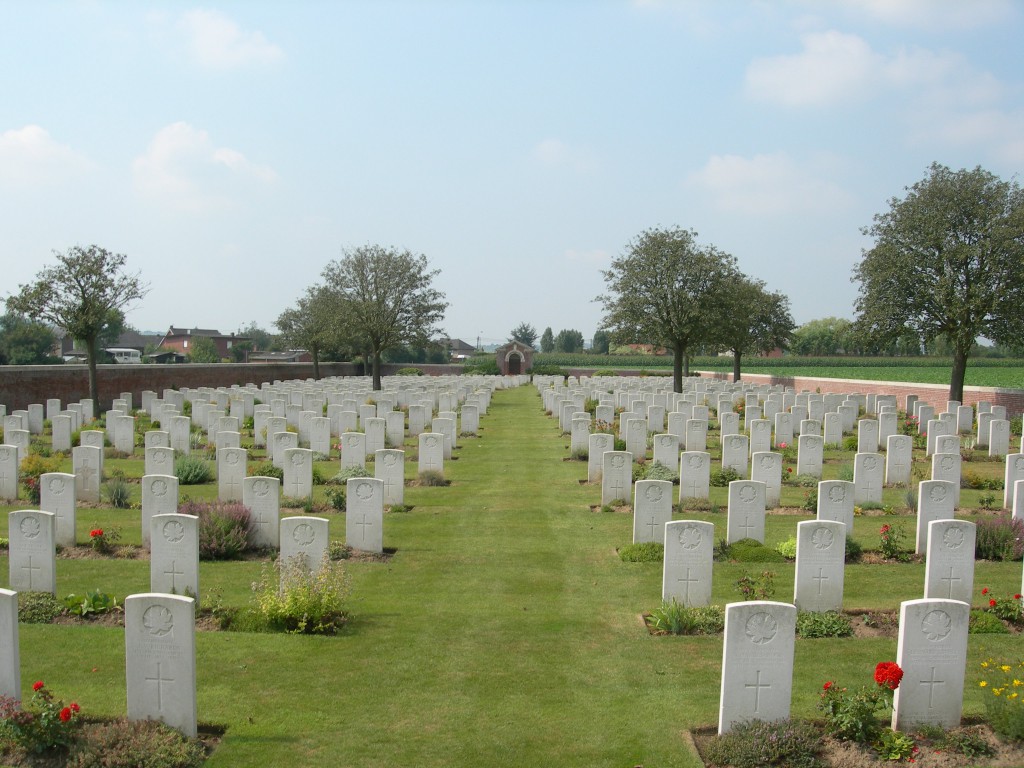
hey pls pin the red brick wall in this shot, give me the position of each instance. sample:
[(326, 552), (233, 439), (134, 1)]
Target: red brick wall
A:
[(24, 384)]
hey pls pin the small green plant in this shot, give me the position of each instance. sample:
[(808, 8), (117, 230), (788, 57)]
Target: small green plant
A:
[(720, 478), (658, 471), (349, 473), (37, 607), (103, 540), (965, 741), (810, 624), (226, 529), (339, 550), (409, 372), (336, 497), (303, 601), (753, 551), (94, 602), (673, 618), (987, 501), (756, 743), (1006, 608), (756, 587), (117, 492), (265, 469), (787, 548), (851, 716), (1003, 685), (854, 551), (894, 745), (192, 470), (133, 743), (985, 623), (999, 538), (643, 552), (432, 479), (890, 542), (581, 453), (44, 725)]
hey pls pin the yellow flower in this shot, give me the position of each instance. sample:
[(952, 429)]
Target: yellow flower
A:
[(1012, 696), (1005, 667), (984, 664), (982, 683), (997, 691), (1017, 683)]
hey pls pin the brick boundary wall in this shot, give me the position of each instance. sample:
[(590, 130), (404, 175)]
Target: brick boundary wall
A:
[(935, 395), (21, 385)]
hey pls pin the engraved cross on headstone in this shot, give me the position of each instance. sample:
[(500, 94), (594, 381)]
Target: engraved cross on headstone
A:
[(757, 685), (172, 572), (686, 581), (949, 582), (931, 683), (363, 524), (746, 526), (820, 578), (160, 680), (29, 567)]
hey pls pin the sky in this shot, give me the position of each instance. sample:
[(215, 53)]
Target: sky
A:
[(231, 150)]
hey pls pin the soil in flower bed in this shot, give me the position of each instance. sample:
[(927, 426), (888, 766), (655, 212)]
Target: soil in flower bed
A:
[(844, 754)]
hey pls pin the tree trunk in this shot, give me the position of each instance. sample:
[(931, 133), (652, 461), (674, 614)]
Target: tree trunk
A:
[(956, 378), (686, 364), (736, 354), (90, 359), (677, 369), (316, 362), (376, 370)]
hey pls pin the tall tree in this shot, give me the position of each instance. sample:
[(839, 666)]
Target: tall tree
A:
[(311, 325), (547, 340), (948, 260), (203, 350), (26, 342), (823, 336), (662, 291), (385, 299), (569, 340), (524, 333), (79, 294), (602, 342), (752, 320)]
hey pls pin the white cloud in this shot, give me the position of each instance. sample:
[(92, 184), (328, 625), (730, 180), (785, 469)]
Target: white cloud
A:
[(218, 42), (30, 155), (934, 14), (835, 67), (998, 132), (182, 168), (766, 185)]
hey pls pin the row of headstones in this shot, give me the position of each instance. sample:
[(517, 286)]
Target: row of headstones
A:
[(173, 538), (160, 657)]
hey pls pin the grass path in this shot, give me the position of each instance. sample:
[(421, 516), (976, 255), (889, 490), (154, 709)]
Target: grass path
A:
[(505, 631)]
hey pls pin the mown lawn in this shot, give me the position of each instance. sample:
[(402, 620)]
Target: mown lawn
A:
[(504, 631)]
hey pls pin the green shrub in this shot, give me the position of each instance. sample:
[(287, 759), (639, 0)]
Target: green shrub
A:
[(759, 587), (787, 548), (658, 471), (606, 372), (547, 370), (720, 478), (894, 746), (854, 550), (752, 551), (32, 467), (37, 607), (828, 624), (94, 602), (432, 478), (676, 619), (192, 470), (968, 741), (985, 623), (135, 743), (409, 372), (755, 743), (42, 725), (337, 497), (265, 469), (644, 552), (300, 601), (1005, 713), (117, 493), (999, 538), (226, 528), (580, 454)]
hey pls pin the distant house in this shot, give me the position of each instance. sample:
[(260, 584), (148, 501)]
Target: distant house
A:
[(180, 339), (291, 356), (457, 349), (71, 352)]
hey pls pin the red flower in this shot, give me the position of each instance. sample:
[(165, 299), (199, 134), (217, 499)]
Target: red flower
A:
[(65, 714), (37, 685), (75, 708), (888, 675), (828, 685), (96, 532), (789, 469), (991, 603), (984, 591), (1016, 597), (885, 528)]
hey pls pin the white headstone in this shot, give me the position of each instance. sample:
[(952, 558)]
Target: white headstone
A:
[(32, 560), (694, 475), (932, 652), (57, 495), (304, 540), (766, 467), (734, 453), (159, 497), (868, 478), (820, 562), (262, 497), (949, 572), (174, 554), (298, 473), (431, 453), (746, 511), (8, 472), (935, 499), (835, 502), (652, 508), (898, 459), (616, 476), (389, 468), (598, 443), (757, 662), (689, 554), (160, 659), (10, 657), (87, 464), (364, 516)]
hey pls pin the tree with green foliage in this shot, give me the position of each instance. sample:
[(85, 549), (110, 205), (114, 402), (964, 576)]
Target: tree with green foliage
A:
[(752, 320), (524, 333), (569, 340), (602, 342), (664, 290), (547, 340), (947, 261), (822, 337), (384, 298), (80, 295), (203, 349), (26, 342), (312, 324)]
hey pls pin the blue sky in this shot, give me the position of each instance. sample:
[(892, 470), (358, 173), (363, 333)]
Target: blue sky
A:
[(231, 150)]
